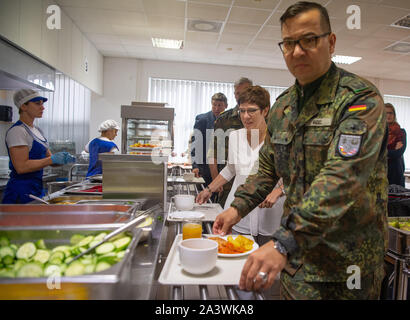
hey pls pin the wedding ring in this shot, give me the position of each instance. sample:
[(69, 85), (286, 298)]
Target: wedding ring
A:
[(263, 276)]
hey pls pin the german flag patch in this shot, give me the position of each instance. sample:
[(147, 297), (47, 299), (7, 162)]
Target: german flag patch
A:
[(357, 107)]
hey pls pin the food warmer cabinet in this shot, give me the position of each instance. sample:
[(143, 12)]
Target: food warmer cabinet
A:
[(146, 128)]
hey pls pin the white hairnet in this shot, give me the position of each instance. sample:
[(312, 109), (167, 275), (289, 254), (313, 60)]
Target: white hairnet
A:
[(108, 124)]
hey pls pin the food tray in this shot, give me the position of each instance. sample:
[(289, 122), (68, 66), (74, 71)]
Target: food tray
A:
[(181, 180), (60, 235), (80, 189), (226, 272), (72, 199), (37, 215), (399, 240), (210, 210)]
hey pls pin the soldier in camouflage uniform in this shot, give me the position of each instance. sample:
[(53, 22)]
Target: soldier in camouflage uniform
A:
[(218, 151), (327, 139)]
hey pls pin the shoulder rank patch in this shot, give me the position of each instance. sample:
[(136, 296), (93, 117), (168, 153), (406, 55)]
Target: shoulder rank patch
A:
[(349, 145), (357, 107)]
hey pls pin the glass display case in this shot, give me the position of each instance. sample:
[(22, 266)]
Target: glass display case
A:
[(147, 128)]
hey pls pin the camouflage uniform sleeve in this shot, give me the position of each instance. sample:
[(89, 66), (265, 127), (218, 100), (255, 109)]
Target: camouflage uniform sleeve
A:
[(259, 185), (335, 189)]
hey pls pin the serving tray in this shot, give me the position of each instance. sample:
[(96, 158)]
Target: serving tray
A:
[(226, 272)]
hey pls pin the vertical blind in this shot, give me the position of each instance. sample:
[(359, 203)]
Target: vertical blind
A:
[(402, 107), (67, 113), (190, 98)]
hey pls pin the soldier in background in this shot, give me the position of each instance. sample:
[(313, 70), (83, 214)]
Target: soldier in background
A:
[(218, 151), (327, 139)]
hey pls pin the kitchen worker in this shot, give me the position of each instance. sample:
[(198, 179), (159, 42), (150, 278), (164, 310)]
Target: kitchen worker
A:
[(327, 139), (102, 144), (28, 150), (218, 151)]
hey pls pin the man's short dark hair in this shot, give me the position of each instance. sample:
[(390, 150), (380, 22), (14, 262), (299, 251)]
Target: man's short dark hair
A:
[(304, 6), (242, 81), (219, 97)]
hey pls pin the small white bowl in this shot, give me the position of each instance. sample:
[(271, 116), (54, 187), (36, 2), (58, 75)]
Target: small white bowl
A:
[(198, 255)]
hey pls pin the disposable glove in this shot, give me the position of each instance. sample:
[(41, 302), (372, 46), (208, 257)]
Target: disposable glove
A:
[(62, 158)]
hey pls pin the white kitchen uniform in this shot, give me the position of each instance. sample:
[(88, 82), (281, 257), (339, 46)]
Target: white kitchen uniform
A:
[(241, 163)]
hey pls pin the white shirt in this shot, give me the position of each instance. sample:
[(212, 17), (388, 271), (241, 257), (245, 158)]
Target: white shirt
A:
[(18, 136), (243, 161)]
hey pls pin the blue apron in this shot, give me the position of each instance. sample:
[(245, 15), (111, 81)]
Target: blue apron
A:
[(95, 147), (20, 186)]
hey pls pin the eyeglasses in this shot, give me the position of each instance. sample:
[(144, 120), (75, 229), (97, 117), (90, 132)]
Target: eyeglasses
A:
[(250, 111), (305, 43)]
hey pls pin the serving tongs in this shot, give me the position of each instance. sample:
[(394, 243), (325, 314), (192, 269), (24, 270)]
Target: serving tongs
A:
[(139, 217)]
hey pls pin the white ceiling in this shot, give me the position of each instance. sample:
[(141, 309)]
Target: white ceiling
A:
[(249, 34)]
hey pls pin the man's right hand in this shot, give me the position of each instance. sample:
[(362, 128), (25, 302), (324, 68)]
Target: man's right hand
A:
[(196, 171), (225, 221)]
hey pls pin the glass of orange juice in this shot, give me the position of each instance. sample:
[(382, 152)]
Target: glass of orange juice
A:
[(192, 229)]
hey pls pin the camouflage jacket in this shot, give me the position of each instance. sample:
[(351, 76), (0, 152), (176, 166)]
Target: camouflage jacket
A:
[(226, 122), (333, 160)]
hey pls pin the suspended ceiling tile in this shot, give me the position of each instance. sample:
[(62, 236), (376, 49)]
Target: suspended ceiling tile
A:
[(404, 4), (263, 44), (248, 29), (202, 37), (129, 5), (236, 38), (226, 3), (287, 3), (270, 32), (250, 16), (393, 33), (207, 12), (97, 38), (262, 4), (170, 8)]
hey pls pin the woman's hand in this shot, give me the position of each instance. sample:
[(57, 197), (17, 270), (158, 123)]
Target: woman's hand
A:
[(271, 198), (399, 145), (225, 221), (203, 196)]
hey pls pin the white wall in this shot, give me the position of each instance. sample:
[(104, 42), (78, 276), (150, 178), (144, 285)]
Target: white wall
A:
[(126, 80), (23, 22), (120, 88)]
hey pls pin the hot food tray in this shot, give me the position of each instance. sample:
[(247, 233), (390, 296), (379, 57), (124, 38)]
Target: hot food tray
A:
[(399, 239), (87, 188)]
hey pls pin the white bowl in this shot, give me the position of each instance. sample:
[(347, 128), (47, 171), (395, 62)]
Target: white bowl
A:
[(184, 201), (198, 255)]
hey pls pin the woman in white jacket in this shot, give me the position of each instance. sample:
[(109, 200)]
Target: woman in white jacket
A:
[(243, 154)]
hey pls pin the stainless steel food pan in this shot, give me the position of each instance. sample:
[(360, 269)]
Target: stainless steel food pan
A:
[(399, 240)]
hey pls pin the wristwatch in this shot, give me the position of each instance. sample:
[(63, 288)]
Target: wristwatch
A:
[(282, 250)]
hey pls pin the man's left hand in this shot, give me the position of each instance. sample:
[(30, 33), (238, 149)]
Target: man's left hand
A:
[(264, 260)]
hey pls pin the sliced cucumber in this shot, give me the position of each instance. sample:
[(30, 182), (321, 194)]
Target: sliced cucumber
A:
[(105, 248), (93, 243), (7, 251), (110, 257), (42, 256), (14, 247), (76, 238), (85, 242), (119, 236), (102, 266), (100, 236), (122, 243), (19, 264), (75, 269), (4, 241), (30, 270), (53, 270), (7, 273), (65, 249), (56, 257), (8, 260), (40, 244), (26, 251), (120, 255), (89, 268)]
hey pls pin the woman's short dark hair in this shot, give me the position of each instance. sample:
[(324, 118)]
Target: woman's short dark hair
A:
[(255, 95), (304, 6)]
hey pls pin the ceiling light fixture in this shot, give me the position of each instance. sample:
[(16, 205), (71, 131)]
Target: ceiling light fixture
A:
[(345, 59), (402, 22), (167, 43), (399, 47)]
